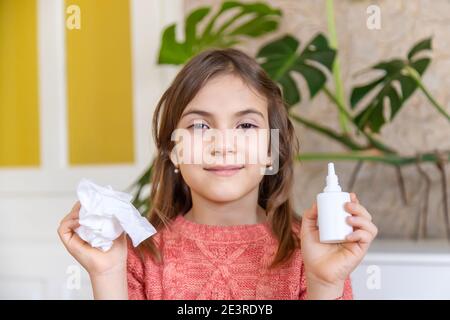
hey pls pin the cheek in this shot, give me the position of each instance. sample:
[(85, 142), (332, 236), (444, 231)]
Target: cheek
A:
[(190, 150), (192, 175), (254, 173), (257, 154), (254, 148)]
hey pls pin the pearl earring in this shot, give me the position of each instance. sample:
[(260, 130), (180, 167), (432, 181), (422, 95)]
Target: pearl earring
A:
[(176, 170)]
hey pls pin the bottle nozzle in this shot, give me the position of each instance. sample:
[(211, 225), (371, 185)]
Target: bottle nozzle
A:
[(331, 169), (332, 180)]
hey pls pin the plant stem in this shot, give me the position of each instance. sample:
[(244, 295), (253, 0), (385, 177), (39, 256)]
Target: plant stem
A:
[(336, 65), (415, 75), (338, 103), (375, 143), (345, 140), (371, 155)]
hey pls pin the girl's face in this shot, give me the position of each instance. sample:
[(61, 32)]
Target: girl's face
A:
[(223, 150)]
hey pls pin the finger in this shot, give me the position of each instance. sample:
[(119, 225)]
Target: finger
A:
[(71, 240), (74, 212), (66, 230), (362, 223), (312, 212), (361, 236), (353, 198), (357, 209), (309, 219)]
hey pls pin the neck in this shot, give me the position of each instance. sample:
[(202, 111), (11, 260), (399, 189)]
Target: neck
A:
[(244, 210)]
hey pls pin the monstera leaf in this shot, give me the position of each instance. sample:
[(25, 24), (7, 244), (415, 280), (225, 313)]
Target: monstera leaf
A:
[(282, 58), (392, 89), (246, 20)]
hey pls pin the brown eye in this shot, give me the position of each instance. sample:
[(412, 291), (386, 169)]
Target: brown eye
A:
[(247, 125)]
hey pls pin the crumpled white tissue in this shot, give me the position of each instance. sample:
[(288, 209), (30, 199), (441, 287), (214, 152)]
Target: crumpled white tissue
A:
[(106, 213)]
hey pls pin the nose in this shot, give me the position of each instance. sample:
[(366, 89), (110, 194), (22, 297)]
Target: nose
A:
[(224, 142)]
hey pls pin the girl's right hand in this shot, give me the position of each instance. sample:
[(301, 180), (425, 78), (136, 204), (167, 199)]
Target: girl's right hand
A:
[(95, 261)]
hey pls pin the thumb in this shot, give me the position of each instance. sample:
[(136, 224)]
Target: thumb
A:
[(309, 219)]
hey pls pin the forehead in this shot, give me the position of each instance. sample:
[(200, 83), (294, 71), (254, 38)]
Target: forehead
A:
[(227, 93)]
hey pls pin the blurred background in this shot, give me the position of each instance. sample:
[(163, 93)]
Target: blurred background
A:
[(368, 89)]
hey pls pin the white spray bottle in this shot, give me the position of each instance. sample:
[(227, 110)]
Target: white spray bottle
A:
[(333, 227)]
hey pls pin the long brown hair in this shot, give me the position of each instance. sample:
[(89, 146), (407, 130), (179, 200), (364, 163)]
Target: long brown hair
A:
[(170, 195)]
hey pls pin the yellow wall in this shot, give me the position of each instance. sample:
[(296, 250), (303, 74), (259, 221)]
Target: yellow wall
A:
[(99, 88), (100, 121), (19, 114)]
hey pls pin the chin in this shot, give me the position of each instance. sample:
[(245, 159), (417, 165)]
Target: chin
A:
[(221, 195), (222, 189)]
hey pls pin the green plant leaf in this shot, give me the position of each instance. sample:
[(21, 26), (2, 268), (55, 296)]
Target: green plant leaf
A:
[(420, 46), (245, 20), (391, 90), (142, 203), (281, 58)]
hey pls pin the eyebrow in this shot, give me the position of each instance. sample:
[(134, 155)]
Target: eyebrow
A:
[(237, 114)]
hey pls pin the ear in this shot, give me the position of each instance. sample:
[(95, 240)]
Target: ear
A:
[(269, 156), (269, 159), (173, 157)]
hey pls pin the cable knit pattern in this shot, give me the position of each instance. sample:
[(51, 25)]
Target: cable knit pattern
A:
[(216, 262)]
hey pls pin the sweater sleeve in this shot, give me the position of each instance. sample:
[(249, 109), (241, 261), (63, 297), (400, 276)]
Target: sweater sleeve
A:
[(135, 274), (347, 293)]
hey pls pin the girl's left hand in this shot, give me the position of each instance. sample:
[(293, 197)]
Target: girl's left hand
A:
[(330, 264)]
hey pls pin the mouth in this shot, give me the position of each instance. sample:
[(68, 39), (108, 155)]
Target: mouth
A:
[(224, 171)]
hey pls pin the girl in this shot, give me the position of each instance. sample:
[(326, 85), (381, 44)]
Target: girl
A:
[(225, 230)]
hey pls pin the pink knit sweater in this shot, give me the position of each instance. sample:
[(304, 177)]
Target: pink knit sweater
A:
[(216, 262)]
